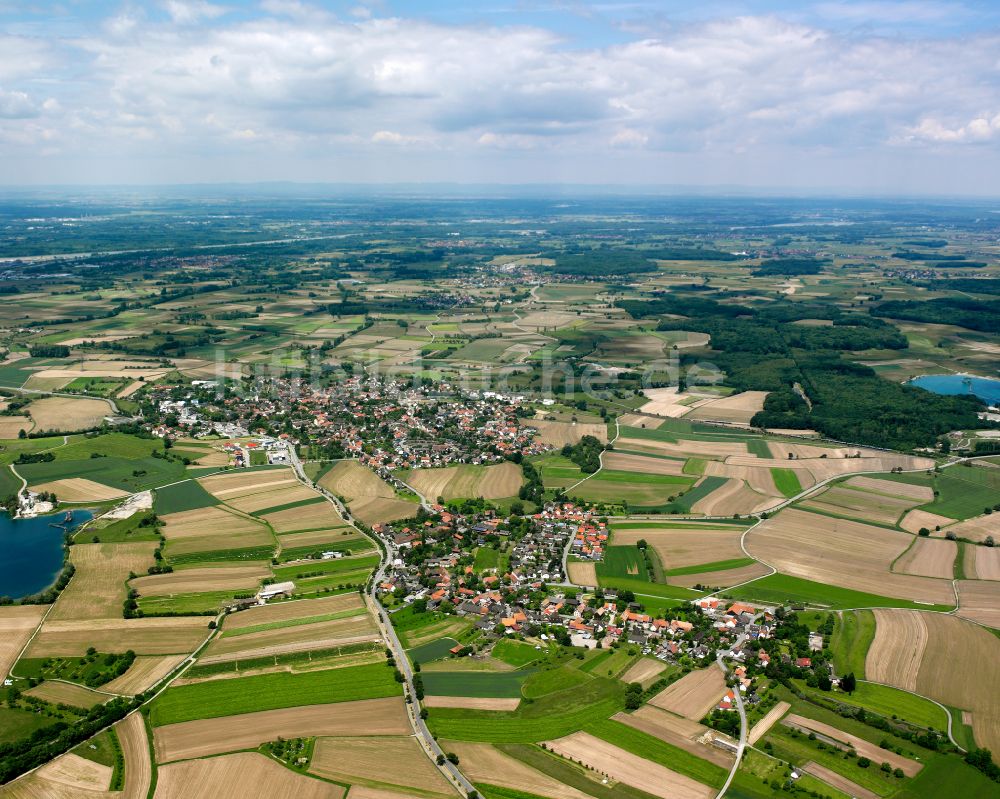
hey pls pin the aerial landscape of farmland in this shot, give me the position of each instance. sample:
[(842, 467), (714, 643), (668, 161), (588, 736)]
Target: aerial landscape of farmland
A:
[(550, 399), (562, 516)]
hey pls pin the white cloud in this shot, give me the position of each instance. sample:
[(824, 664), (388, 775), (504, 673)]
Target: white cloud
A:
[(186, 12), (629, 138), (302, 80), (980, 129), (16, 105)]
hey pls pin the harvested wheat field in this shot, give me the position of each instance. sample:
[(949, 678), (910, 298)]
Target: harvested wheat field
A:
[(723, 578), (736, 409), (69, 776), (843, 553), (833, 465), (207, 529), (380, 510), (79, 489), (152, 636), (97, 588), (979, 528), (273, 498), (67, 414), (639, 420), (378, 763), (689, 546), (237, 777), (17, 623), (979, 600), (11, 426), (485, 763), (244, 482), (897, 650), (692, 737), (759, 478), (982, 563), (759, 730), (624, 462), (935, 643), (317, 515), (857, 503), (318, 537), (583, 573), (198, 579), (558, 434), (860, 745), (917, 519), (472, 702), (623, 766), (299, 638), (467, 482), (683, 448), (694, 694), (363, 792), (929, 557), (644, 672), (734, 497), (838, 781), (143, 674), (131, 732), (667, 402), (207, 737), (893, 488), (58, 692), (351, 480), (299, 609)]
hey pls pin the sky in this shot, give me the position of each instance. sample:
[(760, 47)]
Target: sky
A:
[(886, 97)]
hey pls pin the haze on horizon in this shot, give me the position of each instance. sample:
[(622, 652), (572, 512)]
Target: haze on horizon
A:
[(876, 96)]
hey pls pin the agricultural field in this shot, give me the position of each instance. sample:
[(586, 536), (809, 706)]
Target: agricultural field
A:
[(489, 337), (207, 737), (368, 496), (693, 695), (464, 482), (842, 553), (917, 651), (17, 624)]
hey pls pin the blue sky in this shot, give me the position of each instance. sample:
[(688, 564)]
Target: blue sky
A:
[(875, 96)]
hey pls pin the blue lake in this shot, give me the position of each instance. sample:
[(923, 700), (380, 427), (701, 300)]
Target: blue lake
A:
[(983, 387), (31, 552)]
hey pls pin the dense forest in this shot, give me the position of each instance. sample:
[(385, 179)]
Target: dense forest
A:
[(760, 349)]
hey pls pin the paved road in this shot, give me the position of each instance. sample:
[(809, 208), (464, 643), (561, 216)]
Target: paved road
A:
[(422, 733), (743, 723)]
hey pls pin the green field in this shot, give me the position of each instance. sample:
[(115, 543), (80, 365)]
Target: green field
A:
[(123, 473), (552, 716), (707, 485), (500, 684), (962, 491), (853, 633), (891, 702), (515, 653), (187, 495), (715, 566), (434, 650), (486, 558), (230, 697), (783, 588), (638, 490), (550, 680), (333, 566), (639, 587), (622, 561), (786, 481)]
